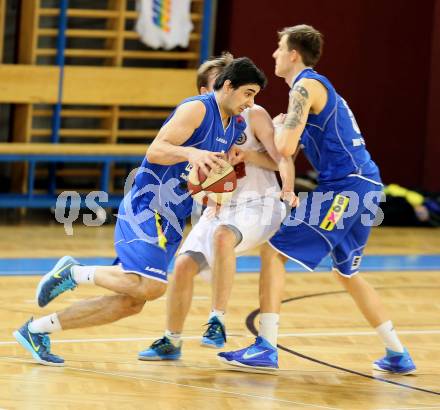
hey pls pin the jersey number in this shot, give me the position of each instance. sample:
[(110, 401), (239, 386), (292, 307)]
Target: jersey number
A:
[(351, 115)]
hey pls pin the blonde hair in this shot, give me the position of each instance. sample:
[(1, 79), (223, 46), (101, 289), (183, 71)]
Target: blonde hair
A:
[(212, 66)]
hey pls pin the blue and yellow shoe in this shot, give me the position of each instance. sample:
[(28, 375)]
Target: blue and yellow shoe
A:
[(261, 355), (161, 349), (38, 344), (395, 362), (215, 335), (57, 281)]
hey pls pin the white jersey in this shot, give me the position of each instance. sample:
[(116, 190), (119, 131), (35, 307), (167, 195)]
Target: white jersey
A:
[(258, 182)]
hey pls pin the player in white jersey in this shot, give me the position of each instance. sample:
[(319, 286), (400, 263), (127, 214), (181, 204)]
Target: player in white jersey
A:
[(252, 217), (254, 210)]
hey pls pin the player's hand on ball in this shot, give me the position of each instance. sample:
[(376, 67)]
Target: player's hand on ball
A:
[(206, 160), (216, 188)]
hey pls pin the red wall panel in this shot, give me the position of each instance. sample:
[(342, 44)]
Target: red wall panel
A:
[(431, 173), (376, 53)]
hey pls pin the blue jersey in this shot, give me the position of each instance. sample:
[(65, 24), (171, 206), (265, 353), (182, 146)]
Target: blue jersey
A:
[(163, 188), (332, 140)]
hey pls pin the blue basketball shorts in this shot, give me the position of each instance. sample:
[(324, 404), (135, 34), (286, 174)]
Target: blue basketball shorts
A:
[(147, 248), (334, 219)]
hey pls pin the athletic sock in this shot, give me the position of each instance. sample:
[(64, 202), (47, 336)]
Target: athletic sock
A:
[(219, 314), (46, 324), (389, 336), (84, 274), (175, 338), (269, 323)]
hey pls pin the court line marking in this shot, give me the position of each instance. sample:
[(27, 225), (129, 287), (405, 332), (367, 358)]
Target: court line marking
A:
[(426, 261), (191, 386), (320, 334), (250, 319), (73, 300)]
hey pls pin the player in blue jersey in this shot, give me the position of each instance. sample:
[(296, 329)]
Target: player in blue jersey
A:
[(252, 216), (152, 215), (336, 218)]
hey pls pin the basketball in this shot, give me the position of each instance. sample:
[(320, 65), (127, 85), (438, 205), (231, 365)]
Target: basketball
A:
[(216, 188)]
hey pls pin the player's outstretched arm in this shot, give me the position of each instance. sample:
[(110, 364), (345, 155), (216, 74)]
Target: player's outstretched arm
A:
[(167, 149)]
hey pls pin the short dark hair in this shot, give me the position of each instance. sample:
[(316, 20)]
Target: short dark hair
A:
[(306, 40), (239, 72), (213, 66)]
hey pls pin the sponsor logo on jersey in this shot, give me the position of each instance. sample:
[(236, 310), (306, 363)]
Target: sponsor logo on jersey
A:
[(335, 212), (222, 140), (161, 238), (184, 175), (155, 270), (241, 139), (356, 262), (357, 142)]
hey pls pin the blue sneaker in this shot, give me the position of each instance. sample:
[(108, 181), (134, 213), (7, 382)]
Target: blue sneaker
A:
[(57, 281), (261, 355), (161, 349), (38, 344), (215, 335), (394, 362)]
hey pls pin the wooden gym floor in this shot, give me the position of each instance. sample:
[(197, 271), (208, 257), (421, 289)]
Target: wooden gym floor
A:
[(327, 347)]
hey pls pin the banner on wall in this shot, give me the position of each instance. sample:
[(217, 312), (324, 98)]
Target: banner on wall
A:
[(164, 23)]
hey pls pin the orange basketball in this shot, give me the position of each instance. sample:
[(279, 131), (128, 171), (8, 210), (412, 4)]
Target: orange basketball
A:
[(217, 187)]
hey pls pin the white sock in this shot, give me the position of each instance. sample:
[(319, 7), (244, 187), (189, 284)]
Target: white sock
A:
[(84, 274), (220, 314), (46, 324), (269, 323), (175, 338), (389, 336)]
